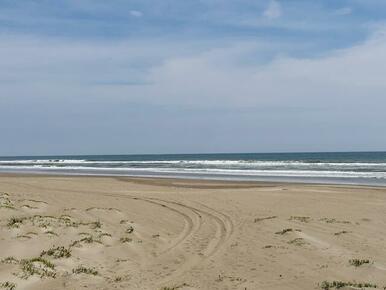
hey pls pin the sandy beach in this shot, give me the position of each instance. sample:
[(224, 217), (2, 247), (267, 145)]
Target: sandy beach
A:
[(59, 232)]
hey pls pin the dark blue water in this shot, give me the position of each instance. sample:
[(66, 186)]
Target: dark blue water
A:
[(336, 167)]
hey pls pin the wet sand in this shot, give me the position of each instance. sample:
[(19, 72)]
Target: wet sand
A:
[(62, 232)]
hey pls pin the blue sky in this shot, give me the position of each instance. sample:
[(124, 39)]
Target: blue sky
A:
[(94, 77)]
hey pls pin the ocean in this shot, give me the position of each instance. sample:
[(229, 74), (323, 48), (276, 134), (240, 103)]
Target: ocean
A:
[(333, 167)]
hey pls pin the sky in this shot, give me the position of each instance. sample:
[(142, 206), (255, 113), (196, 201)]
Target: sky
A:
[(171, 76)]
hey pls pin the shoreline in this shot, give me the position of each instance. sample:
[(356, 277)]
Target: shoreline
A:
[(194, 179)]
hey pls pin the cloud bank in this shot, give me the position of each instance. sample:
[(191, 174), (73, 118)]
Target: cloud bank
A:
[(262, 76)]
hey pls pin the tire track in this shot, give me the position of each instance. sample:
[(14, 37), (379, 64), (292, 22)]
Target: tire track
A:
[(223, 223), (194, 218), (224, 230)]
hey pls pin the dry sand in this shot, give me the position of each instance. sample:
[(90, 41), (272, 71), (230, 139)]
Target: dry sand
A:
[(150, 234)]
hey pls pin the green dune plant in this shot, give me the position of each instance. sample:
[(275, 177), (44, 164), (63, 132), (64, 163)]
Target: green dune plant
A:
[(15, 222), (125, 240), (57, 253), (10, 260), (284, 231), (8, 285), (37, 266), (303, 219), (358, 262), (325, 285), (84, 270)]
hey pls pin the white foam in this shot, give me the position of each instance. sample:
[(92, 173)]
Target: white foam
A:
[(244, 163), (214, 171)]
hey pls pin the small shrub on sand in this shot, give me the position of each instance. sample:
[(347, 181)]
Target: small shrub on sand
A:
[(15, 222), (5, 202), (297, 242), (104, 235), (334, 221), (174, 287), (303, 219), (129, 230), (84, 270), (325, 285), (282, 232), (126, 240), (96, 225), (57, 253), (86, 240), (358, 262), (341, 233), (10, 260), (8, 285), (51, 233), (37, 266)]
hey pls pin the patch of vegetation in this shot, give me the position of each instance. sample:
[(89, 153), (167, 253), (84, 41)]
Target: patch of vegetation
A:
[(57, 253), (129, 230), (325, 285), (81, 269), (303, 219), (87, 240), (297, 242), (46, 221), (37, 266), (10, 260), (174, 287), (341, 233), (334, 221), (8, 285), (282, 232), (358, 262), (104, 235), (65, 216), (5, 202), (256, 220), (51, 233), (103, 208), (118, 279), (125, 240), (96, 225), (15, 222)]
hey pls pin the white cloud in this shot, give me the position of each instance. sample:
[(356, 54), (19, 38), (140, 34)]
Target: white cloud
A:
[(208, 78), (343, 11), (136, 13), (351, 77), (273, 10)]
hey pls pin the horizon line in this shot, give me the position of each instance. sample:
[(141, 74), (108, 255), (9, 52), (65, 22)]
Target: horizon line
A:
[(207, 153)]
